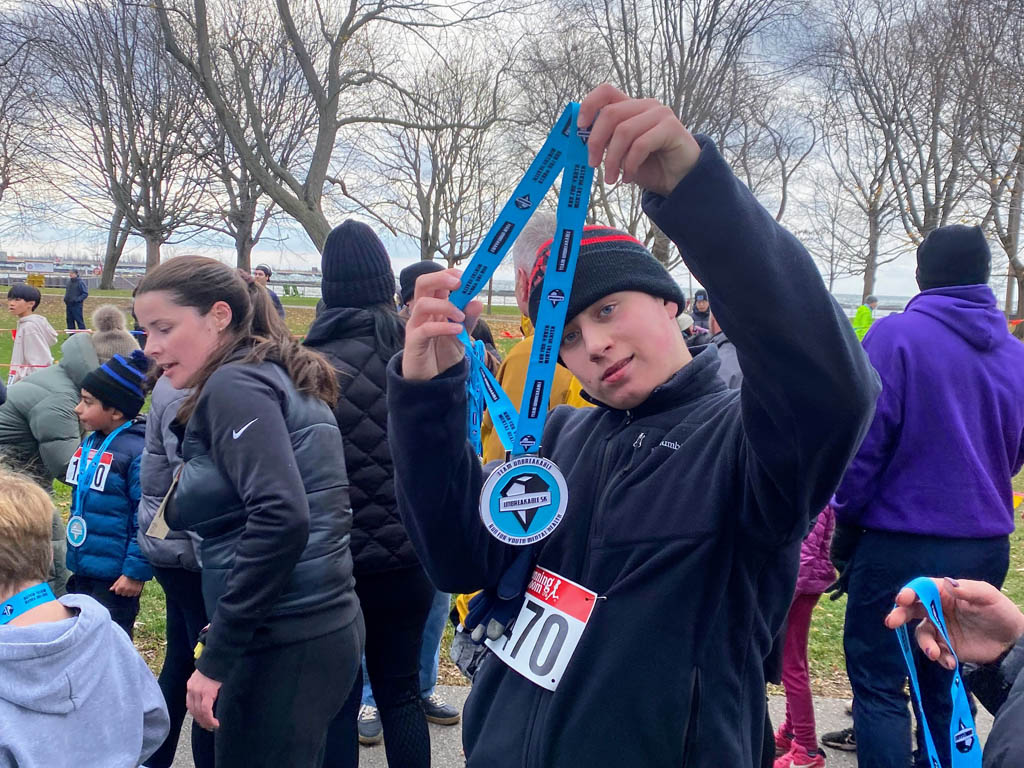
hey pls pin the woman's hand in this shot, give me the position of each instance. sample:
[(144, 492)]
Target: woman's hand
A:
[(982, 622), (200, 696), (641, 138), (431, 346), (127, 587)]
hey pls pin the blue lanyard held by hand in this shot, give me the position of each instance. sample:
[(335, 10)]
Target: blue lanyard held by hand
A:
[(25, 600), (564, 151), (964, 747), (475, 395)]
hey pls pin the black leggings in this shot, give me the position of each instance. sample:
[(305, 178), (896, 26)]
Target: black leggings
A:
[(395, 605), (275, 707), (186, 616)]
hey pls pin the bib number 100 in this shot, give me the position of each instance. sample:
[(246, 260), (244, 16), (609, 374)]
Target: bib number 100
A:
[(547, 630)]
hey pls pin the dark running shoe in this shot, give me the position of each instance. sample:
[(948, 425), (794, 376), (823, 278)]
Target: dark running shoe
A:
[(370, 732), (437, 711), (843, 740)]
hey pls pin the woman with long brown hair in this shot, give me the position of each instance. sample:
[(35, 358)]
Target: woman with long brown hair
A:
[(264, 485)]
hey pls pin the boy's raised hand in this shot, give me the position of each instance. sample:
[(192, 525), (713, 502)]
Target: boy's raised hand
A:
[(641, 139), (431, 346)]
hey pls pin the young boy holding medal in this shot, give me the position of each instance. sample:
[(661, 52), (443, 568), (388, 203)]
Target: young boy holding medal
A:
[(639, 605), (103, 547)]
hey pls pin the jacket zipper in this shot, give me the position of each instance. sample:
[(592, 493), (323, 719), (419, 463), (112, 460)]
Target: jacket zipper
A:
[(602, 490)]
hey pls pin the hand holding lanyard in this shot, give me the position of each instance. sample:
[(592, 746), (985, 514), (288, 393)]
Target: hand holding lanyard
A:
[(965, 749), (524, 500)]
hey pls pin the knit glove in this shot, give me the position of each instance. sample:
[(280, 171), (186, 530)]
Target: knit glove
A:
[(493, 610), (841, 552)]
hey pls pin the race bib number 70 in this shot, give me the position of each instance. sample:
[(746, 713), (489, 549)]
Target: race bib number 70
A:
[(549, 627)]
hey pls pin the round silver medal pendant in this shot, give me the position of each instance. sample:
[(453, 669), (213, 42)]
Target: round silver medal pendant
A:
[(523, 500)]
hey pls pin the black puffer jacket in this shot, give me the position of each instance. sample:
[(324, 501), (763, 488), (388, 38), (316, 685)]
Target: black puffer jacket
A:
[(264, 485), (344, 335)]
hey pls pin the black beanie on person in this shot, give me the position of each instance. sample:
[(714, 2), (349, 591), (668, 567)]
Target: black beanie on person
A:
[(120, 383), (407, 277), (356, 268), (953, 255), (610, 261)]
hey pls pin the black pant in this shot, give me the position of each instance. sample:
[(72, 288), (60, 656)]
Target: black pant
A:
[(275, 707), (395, 605), (123, 610), (883, 563), (73, 315), (186, 616)]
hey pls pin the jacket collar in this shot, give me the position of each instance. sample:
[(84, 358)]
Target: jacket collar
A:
[(339, 322), (697, 378)]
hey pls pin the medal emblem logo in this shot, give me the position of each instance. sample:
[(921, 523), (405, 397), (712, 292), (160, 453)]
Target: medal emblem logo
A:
[(556, 297), (523, 500), (523, 202), (964, 738), (8, 610)]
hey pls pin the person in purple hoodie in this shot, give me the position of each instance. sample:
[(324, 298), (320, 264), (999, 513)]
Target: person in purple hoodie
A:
[(929, 490)]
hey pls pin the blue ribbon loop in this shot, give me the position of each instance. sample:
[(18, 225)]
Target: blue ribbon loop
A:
[(964, 746), (564, 152)]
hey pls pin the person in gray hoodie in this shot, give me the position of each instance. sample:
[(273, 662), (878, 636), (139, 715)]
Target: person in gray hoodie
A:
[(73, 689), (176, 567)]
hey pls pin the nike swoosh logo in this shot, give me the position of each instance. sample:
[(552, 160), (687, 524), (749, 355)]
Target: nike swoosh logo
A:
[(237, 433)]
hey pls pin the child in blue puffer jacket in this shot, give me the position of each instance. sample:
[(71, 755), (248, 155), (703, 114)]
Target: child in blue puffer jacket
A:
[(103, 548)]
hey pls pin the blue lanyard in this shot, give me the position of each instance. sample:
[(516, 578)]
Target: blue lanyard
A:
[(25, 600), (564, 150), (964, 747), (87, 469), (475, 395)]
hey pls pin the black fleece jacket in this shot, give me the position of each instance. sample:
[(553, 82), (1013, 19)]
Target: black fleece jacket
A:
[(685, 514)]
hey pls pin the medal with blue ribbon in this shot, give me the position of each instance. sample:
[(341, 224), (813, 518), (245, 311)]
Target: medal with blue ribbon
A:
[(89, 462), (964, 747), (525, 499)]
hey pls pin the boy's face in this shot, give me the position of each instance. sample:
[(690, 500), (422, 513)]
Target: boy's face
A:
[(702, 305), (19, 307), (95, 417), (260, 276), (623, 346)]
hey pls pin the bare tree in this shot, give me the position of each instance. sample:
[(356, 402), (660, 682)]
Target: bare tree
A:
[(446, 180), (17, 115), (997, 157), (124, 135), (332, 44), (900, 63)]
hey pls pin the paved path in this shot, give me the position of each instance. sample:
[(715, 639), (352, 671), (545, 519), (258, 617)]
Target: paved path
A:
[(446, 743)]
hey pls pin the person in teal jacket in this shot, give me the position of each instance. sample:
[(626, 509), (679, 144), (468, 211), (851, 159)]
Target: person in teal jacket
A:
[(865, 317)]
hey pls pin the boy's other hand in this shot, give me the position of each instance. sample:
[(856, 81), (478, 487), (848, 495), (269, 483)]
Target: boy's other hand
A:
[(200, 695), (641, 139), (983, 623), (431, 346), (127, 587)]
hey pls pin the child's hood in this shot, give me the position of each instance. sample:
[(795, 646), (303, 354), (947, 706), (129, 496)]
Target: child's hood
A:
[(41, 323), (50, 668)]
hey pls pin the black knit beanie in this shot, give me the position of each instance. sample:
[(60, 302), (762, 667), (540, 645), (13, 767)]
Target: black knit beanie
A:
[(953, 255), (356, 268), (407, 277), (610, 261), (119, 383)]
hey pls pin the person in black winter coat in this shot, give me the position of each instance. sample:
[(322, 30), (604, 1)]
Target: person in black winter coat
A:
[(358, 332), (263, 484), (987, 631), (75, 294), (680, 601)]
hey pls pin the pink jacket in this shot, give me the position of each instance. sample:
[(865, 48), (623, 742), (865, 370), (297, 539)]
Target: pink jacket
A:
[(816, 571)]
